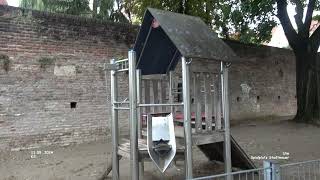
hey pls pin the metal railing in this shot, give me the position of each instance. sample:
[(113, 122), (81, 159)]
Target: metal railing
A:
[(123, 65), (252, 174), (307, 170)]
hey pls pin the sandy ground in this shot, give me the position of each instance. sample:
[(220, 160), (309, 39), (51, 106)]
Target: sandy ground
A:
[(88, 161)]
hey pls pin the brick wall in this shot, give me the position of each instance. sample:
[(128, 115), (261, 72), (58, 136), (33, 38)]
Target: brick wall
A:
[(49, 61), (264, 85), (53, 88)]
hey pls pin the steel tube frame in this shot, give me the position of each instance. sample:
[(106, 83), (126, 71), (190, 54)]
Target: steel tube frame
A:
[(122, 60), (134, 161), (187, 118), (114, 123), (226, 111), (125, 102), (122, 108), (123, 70), (150, 105), (138, 78)]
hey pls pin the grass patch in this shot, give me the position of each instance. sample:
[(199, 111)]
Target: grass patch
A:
[(46, 62), (5, 61)]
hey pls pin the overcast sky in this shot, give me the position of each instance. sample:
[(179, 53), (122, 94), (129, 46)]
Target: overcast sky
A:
[(13, 2)]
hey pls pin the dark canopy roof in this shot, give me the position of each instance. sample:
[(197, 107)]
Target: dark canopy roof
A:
[(158, 49)]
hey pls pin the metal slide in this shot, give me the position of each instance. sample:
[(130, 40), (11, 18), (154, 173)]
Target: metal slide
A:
[(161, 141)]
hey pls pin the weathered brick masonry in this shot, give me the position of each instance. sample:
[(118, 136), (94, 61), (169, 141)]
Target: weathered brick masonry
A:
[(53, 88), (54, 60), (264, 85)]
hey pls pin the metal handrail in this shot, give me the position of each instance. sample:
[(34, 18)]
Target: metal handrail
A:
[(122, 60), (232, 173), (299, 163)]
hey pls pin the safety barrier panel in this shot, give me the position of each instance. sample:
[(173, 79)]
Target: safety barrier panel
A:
[(271, 170)]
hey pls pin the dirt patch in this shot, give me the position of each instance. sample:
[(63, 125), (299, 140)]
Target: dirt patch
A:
[(88, 161)]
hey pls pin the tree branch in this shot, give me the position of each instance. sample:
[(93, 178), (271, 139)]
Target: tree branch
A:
[(288, 29), (308, 19), (299, 16)]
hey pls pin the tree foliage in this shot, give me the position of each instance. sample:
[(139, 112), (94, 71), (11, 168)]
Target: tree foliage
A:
[(109, 12), (74, 7), (32, 4), (102, 9), (244, 20)]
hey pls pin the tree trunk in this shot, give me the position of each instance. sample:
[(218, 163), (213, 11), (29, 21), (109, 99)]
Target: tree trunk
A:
[(307, 86), (95, 8)]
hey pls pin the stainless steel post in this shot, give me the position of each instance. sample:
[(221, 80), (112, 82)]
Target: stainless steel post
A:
[(217, 102), (138, 78), (134, 161), (187, 118), (267, 172), (225, 111), (114, 123), (271, 170)]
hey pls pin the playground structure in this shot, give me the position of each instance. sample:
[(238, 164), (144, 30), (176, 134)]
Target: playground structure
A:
[(195, 99)]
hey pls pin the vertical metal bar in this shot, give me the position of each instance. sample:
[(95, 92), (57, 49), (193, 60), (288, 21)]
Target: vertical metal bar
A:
[(134, 161), (267, 170), (143, 100), (170, 91), (225, 110), (197, 102), (309, 171), (163, 95), (187, 118), (114, 123), (259, 175), (138, 78), (217, 102), (298, 172), (208, 102), (192, 93), (139, 115), (318, 168), (304, 172), (147, 94), (275, 171), (315, 170), (155, 94), (212, 100)]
